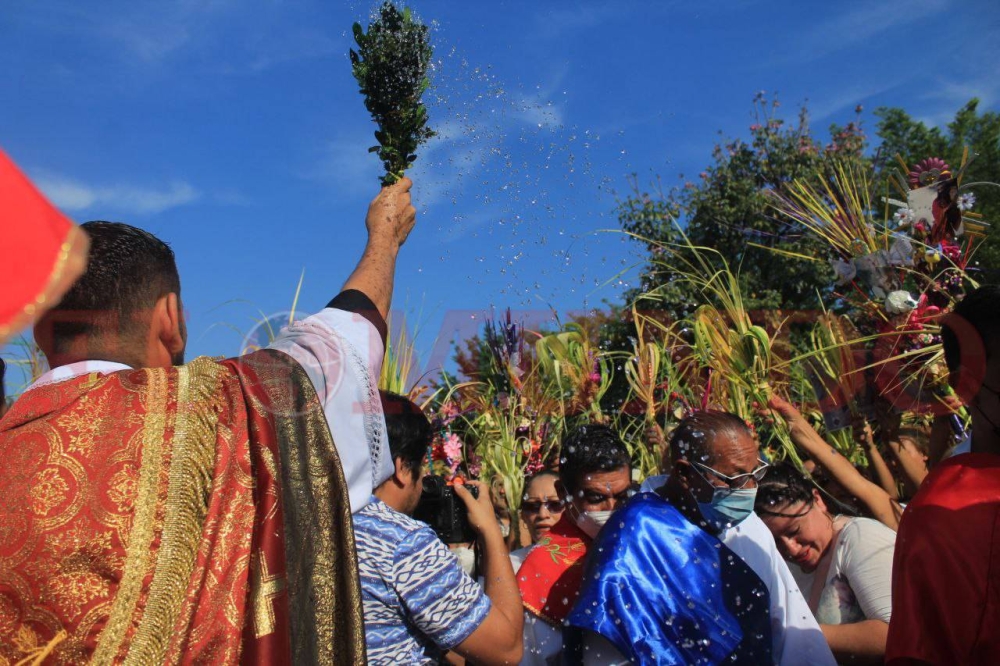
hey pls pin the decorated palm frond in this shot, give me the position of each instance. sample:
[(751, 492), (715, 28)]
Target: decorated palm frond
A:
[(734, 352), (577, 373), (399, 362), (837, 209), (836, 383)]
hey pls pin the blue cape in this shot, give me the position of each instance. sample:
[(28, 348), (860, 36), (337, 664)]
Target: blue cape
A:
[(664, 591)]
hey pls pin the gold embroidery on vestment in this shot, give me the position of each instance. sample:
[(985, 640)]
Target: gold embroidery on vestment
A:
[(48, 490), (146, 504), (324, 585), (190, 479), (264, 587)]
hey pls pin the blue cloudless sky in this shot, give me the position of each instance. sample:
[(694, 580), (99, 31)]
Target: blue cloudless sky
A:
[(233, 130)]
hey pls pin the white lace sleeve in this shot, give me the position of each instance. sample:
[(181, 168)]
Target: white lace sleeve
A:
[(341, 353)]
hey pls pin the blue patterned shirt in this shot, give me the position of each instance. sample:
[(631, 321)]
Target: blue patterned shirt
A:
[(417, 600)]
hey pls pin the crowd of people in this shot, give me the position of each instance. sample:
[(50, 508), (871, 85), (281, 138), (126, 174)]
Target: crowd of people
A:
[(260, 509)]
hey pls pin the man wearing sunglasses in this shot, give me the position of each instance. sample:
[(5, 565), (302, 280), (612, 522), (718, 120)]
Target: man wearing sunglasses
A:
[(595, 479), (678, 559)]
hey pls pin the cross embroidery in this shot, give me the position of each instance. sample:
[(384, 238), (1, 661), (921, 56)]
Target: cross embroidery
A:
[(264, 588)]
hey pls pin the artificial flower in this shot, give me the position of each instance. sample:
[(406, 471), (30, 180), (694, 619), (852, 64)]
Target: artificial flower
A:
[(966, 201), (844, 270), (900, 302), (452, 447), (904, 217)]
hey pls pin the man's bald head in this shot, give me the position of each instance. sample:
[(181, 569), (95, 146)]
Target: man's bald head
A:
[(712, 438), (709, 452)]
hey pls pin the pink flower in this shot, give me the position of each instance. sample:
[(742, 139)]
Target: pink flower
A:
[(452, 447)]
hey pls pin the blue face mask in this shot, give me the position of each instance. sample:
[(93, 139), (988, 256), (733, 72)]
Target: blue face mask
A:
[(728, 508)]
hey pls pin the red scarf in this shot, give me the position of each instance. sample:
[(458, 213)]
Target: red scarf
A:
[(551, 575)]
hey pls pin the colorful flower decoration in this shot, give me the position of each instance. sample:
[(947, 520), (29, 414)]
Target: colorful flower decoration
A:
[(932, 255), (904, 217), (929, 171), (844, 270), (900, 302)]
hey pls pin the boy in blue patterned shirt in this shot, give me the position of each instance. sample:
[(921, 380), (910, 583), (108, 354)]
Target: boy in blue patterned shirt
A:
[(418, 602)]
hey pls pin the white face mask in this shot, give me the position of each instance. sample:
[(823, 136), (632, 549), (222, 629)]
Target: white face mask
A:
[(467, 558), (591, 522)]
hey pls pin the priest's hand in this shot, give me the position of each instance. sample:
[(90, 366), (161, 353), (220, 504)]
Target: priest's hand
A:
[(390, 218), (391, 215)]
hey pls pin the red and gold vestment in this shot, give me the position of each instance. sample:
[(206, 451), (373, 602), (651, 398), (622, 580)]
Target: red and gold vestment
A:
[(190, 515)]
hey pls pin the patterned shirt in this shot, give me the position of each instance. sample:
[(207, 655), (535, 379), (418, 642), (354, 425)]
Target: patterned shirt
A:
[(417, 600)]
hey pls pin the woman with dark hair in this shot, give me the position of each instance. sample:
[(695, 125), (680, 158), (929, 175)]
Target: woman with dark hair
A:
[(842, 564), (541, 509)]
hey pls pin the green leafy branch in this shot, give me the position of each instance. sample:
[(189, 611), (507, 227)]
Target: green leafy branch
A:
[(390, 66)]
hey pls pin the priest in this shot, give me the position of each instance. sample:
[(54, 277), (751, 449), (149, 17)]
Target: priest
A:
[(160, 512)]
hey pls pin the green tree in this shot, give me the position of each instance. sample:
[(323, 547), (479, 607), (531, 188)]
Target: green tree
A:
[(728, 210)]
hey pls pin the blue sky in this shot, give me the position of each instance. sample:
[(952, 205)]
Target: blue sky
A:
[(233, 130)]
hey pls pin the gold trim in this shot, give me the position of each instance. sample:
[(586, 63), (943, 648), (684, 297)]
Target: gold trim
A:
[(69, 264), (188, 490), (137, 553), (264, 587), (324, 584)]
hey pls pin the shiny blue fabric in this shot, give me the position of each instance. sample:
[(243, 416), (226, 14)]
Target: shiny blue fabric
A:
[(664, 591)]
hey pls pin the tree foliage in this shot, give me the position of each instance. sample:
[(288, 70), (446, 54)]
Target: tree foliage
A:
[(728, 210)]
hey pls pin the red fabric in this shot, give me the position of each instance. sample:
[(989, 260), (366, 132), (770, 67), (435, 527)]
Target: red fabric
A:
[(550, 577), (946, 572), (73, 452), (33, 232), (268, 531)]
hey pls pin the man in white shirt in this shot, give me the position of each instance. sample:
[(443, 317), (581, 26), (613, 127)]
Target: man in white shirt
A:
[(795, 635)]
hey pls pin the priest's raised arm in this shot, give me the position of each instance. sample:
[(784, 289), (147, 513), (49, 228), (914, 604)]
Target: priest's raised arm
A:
[(341, 348)]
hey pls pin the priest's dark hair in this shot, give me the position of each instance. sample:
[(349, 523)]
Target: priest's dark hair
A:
[(691, 439), (128, 271), (590, 448), (981, 310), (408, 430)]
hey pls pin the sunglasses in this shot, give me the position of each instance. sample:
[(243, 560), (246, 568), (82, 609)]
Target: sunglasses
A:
[(737, 482), (534, 506)]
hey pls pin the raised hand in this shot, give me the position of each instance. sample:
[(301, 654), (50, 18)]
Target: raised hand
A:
[(391, 215)]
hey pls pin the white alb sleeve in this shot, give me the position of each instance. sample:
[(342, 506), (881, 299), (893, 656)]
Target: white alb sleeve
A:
[(341, 353)]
